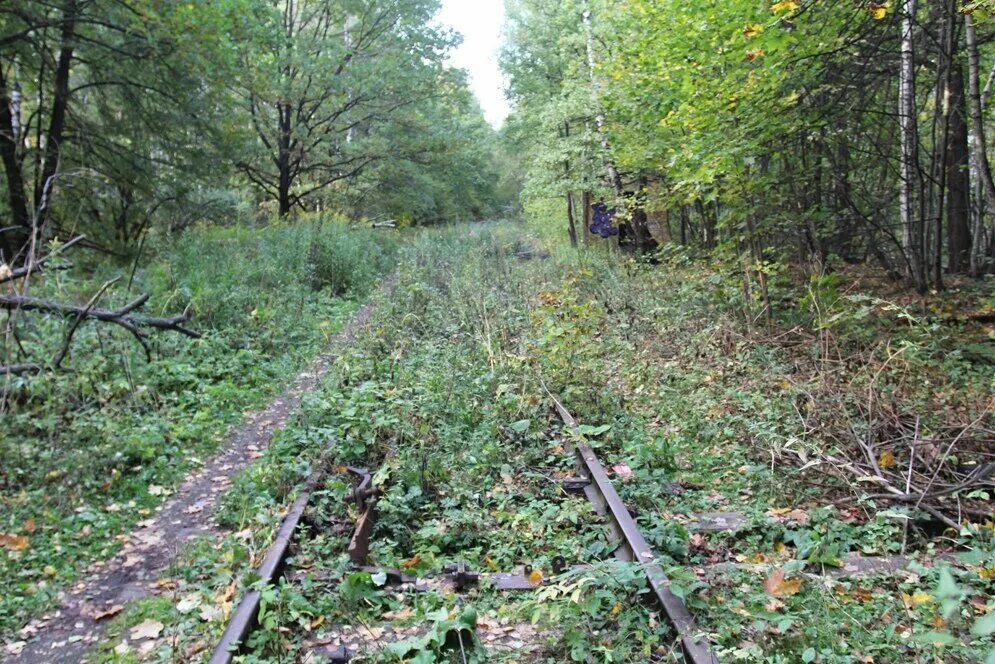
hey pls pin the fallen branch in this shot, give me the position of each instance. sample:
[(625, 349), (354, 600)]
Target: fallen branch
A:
[(122, 317), (38, 265), (64, 351), (20, 369)]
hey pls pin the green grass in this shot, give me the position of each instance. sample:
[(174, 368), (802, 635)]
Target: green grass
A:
[(83, 446), (444, 399)]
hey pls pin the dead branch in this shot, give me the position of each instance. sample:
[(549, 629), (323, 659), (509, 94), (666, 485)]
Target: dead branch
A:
[(122, 317), (76, 321), (20, 369), (39, 264)]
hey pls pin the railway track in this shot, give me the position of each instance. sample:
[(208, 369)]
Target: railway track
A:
[(455, 630)]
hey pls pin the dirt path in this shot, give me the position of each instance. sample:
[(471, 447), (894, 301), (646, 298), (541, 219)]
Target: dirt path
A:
[(65, 635)]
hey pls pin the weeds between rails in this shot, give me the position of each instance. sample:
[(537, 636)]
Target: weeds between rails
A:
[(409, 619), (441, 397)]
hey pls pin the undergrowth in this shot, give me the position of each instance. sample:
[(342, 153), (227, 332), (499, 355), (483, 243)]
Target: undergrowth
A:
[(690, 407), (93, 448)]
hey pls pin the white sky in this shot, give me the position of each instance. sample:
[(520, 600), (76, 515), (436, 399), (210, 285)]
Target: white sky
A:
[(480, 22)]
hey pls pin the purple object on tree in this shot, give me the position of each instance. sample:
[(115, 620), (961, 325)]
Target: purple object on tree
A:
[(602, 225)]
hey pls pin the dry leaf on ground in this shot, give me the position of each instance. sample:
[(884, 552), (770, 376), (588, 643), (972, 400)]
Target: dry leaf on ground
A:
[(778, 586), (147, 629)]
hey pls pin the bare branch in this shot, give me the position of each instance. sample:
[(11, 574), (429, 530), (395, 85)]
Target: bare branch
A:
[(122, 317)]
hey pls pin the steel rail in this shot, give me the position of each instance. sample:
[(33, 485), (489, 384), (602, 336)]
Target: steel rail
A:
[(632, 545), (243, 620)]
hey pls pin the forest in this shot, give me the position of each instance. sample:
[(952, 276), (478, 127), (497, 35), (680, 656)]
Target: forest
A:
[(306, 358)]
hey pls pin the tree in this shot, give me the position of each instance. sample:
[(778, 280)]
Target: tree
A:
[(554, 128), (326, 75), (821, 133), (105, 98)]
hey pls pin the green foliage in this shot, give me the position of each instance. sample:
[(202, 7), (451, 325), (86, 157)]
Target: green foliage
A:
[(91, 450), (176, 113)]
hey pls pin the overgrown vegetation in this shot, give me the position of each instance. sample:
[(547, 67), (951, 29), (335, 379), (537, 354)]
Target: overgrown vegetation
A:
[(756, 261), (92, 449), (691, 411), (117, 119), (816, 133)]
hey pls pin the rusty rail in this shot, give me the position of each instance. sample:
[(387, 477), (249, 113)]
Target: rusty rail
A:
[(633, 546), (244, 619)]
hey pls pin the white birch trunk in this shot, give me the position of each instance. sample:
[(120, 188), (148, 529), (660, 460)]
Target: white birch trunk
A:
[(979, 151), (912, 240), (599, 117)]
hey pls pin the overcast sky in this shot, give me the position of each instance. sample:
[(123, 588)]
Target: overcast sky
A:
[(480, 21)]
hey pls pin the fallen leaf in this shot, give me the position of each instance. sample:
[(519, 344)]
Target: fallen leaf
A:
[(132, 559), (535, 577), (164, 584), (13, 542), (918, 598), (29, 526), (188, 603), (94, 613), (411, 562), (863, 594), (229, 592), (195, 508), (799, 516), (778, 586), (887, 459), (211, 613), (193, 649), (401, 614), (16, 647), (147, 629), (622, 470)]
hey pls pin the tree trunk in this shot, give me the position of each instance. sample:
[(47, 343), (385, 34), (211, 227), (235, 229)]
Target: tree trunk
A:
[(14, 239), (640, 220), (283, 161), (571, 224), (912, 224), (958, 176), (585, 200), (57, 123), (979, 150), (708, 224)]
